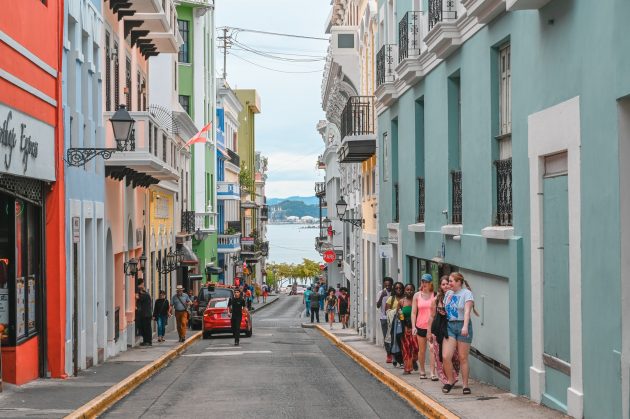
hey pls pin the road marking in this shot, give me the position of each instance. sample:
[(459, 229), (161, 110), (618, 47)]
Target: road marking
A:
[(227, 353)]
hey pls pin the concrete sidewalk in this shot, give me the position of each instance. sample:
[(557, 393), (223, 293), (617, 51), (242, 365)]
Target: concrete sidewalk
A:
[(486, 401), (56, 398)]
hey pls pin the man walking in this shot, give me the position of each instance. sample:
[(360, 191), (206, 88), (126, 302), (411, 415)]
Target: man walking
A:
[(144, 315), (306, 300), (235, 307), (315, 301), (181, 301), (380, 304), (322, 296)]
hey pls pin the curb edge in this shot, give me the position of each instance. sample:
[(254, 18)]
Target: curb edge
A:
[(418, 400), (99, 404), (267, 304)]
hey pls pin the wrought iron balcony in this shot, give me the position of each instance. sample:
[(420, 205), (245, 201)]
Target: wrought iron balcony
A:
[(456, 197), (409, 35), (320, 189), (421, 205), (235, 159), (504, 192), (229, 243), (385, 64), (188, 222), (358, 130), (206, 222), (441, 10), (250, 248)]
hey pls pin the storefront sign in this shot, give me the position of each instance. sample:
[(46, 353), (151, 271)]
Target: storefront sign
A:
[(386, 251), (26, 145)]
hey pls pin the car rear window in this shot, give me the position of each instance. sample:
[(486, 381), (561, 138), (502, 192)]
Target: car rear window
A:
[(219, 304), (205, 294)]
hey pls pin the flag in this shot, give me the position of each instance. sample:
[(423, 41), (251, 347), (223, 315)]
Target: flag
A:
[(198, 137)]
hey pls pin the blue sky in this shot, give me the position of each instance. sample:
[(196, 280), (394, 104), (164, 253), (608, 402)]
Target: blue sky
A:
[(291, 103)]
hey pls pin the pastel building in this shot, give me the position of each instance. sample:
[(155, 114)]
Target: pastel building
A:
[(499, 146)]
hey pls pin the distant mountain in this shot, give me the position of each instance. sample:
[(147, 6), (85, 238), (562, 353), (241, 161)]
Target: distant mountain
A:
[(308, 200), (281, 210)]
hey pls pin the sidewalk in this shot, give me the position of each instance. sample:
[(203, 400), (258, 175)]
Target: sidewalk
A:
[(56, 398), (485, 401)]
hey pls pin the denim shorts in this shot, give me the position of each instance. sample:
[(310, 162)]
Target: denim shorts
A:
[(455, 331)]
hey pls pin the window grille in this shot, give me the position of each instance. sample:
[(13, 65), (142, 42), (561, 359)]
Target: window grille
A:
[(108, 75)]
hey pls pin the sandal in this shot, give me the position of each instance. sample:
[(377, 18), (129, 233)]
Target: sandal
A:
[(434, 377), (466, 390), (423, 376), (415, 366), (446, 388)]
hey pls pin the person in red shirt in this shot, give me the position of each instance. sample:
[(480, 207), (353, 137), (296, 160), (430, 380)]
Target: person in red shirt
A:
[(248, 297)]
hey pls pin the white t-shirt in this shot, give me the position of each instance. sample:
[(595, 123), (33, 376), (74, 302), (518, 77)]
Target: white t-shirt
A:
[(455, 302)]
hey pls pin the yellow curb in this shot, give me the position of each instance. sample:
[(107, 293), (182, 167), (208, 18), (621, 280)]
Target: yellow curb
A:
[(418, 400), (107, 399)]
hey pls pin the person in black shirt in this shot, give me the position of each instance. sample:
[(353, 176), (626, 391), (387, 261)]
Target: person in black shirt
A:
[(235, 307), (161, 313), (145, 314)]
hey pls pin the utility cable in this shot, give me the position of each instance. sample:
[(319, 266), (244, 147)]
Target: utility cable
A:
[(275, 69), (288, 35)]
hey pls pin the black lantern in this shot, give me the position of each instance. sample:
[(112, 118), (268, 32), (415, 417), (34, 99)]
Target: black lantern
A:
[(326, 223), (199, 235), (142, 261), (341, 208), (131, 267), (122, 125)]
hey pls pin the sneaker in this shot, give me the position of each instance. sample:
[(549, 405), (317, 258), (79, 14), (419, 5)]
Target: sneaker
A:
[(390, 359)]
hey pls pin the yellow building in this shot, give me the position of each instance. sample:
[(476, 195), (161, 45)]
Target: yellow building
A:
[(161, 239)]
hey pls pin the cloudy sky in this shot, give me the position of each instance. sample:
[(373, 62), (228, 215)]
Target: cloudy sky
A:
[(290, 91)]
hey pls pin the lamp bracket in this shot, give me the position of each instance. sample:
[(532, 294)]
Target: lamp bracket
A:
[(80, 156)]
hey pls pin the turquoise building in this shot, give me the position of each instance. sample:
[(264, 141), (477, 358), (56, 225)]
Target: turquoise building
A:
[(504, 154)]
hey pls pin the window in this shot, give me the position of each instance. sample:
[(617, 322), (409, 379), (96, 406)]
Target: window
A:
[(374, 182), (128, 83), (345, 40), (150, 137), (184, 100), (175, 78), (116, 78), (164, 148), (503, 164), (139, 94), (505, 91), (155, 141), (184, 53), (108, 75)]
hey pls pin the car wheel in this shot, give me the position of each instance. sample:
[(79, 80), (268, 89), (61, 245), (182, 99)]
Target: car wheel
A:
[(207, 334)]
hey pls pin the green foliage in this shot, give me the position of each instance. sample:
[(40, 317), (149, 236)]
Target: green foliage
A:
[(246, 178), (280, 271)]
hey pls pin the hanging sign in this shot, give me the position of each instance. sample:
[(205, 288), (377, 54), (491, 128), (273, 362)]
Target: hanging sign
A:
[(386, 251)]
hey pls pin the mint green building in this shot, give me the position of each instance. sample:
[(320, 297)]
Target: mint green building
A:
[(197, 97), (504, 154)]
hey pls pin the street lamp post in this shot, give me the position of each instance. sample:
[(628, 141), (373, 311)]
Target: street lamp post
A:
[(342, 206)]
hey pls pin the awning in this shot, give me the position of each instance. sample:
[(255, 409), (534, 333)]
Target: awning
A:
[(195, 277), (190, 258), (212, 270)]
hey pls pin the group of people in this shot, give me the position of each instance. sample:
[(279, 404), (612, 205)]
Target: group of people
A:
[(161, 311), (334, 302), (412, 321)]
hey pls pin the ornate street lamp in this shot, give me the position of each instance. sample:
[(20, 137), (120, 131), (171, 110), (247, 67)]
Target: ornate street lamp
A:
[(341, 211), (131, 267), (326, 223), (122, 125)]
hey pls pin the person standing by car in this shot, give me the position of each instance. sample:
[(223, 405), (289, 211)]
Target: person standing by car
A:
[(144, 312), (161, 313), (235, 308), (181, 301), (315, 304), (306, 300)]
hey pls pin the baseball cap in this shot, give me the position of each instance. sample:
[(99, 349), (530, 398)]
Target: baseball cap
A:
[(426, 278)]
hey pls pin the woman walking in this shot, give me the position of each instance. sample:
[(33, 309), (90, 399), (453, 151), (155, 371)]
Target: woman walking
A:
[(161, 313), (408, 342), (394, 325), (344, 308), (439, 332), (423, 300), (331, 306), (458, 303)]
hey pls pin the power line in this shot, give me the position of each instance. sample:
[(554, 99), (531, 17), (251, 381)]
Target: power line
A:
[(275, 69), (245, 47), (288, 35)]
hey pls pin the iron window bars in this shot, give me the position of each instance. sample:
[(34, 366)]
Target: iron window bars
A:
[(504, 192), (409, 35), (439, 10)]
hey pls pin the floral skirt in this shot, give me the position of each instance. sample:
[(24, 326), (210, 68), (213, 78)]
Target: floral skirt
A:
[(410, 349), (435, 347)]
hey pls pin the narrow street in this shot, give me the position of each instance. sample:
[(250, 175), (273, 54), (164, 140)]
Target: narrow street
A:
[(283, 371)]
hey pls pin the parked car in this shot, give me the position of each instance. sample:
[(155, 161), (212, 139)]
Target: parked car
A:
[(216, 319), (300, 289), (205, 295)]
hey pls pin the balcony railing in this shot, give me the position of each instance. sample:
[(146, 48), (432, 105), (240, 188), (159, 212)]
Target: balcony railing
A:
[(421, 200), (320, 189), (440, 10), (229, 243), (206, 221), (235, 159), (456, 197), (504, 192), (385, 63), (396, 202), (188, 222), (357, 117), (409, 35)]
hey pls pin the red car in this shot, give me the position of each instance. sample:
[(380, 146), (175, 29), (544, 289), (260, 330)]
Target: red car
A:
[(216, 319)]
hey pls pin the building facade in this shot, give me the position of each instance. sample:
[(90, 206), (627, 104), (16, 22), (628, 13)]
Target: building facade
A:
[(32, 194)]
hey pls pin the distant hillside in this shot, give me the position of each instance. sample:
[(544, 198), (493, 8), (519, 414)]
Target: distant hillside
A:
[(308, 200), (281, 210)]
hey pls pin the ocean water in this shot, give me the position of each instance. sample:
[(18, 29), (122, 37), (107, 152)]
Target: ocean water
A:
[(290, 243)]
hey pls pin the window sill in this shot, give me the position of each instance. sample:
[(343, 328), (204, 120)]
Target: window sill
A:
[(417, 228), (452, 229), (498, 232)]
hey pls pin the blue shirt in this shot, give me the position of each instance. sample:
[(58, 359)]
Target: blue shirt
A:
[(455, 303), (307, 295), (180, 302)]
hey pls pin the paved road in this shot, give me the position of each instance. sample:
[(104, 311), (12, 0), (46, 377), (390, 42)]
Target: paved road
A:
[(283, 371)]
